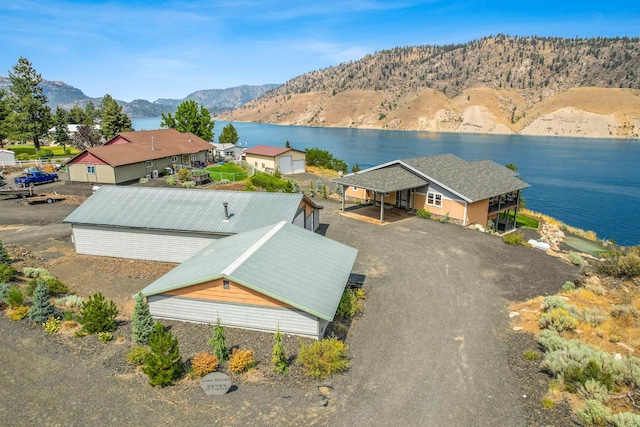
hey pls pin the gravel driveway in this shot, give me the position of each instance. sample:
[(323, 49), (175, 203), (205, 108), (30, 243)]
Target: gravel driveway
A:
[(428, 350)]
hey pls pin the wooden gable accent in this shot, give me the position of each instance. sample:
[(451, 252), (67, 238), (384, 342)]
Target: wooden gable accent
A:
[(214, 291)]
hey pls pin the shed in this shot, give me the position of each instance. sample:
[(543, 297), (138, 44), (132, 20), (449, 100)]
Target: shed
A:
[(7, 158), (265, 158), (172, 224), (275, 276)]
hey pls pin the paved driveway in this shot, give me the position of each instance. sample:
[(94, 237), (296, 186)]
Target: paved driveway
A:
[(428, 349)]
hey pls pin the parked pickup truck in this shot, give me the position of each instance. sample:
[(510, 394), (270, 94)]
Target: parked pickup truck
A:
[(36, 177)]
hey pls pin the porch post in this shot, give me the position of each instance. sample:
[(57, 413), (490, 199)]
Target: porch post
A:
[(413, 201), (464, 220), (381, 208), (344, 191)]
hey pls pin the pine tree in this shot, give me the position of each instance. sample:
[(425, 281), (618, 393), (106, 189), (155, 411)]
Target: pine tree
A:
[(278, 355), (163, 360), (142, 323), (4, 255), (98, 315), (42, 308), (218, 343)]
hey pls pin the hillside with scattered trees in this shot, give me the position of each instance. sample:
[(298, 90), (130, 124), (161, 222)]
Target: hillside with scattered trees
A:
[(498, 84)]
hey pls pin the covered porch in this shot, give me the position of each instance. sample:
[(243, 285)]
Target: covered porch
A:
[(503, 210), (391, 186)]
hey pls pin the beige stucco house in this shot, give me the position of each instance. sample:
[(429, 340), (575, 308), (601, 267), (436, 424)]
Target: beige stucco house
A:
[(267, 159)]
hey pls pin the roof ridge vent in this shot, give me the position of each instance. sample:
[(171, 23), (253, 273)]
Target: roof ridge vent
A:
[(253, 249)]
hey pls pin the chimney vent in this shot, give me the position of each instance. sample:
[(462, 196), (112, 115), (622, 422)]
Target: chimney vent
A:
[(226, 212), (152, 146)]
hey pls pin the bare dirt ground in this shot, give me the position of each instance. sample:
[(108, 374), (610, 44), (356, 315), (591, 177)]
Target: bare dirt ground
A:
[(433, 346)]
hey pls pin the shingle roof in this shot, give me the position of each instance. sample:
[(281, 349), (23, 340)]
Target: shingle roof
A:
[(265, 150), (166, 143), (274, 261), (390, 178), (190, 210)]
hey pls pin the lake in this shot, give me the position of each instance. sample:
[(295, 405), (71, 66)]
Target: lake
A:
[(593, 184)]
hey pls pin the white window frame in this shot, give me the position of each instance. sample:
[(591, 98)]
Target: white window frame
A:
[(148, 163), (192, 157), (436, 197), (91, 169), (174, 159)]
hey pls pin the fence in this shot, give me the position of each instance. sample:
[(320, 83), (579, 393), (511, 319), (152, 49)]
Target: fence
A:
[(38, 163), (231, 176)]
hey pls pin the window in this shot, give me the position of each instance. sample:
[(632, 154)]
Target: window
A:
[(434, 199), (174, 159), (91, 170), (148, 163), (225, 284), (193, 157), (263, 166), (256, 164)]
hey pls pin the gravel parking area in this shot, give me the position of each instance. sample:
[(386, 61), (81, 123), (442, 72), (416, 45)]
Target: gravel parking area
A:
[(432, 347)]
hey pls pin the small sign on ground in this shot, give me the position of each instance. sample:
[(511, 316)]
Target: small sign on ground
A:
[(216, 384)]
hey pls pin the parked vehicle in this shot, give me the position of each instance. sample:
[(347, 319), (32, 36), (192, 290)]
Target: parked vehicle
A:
[(36, 177)]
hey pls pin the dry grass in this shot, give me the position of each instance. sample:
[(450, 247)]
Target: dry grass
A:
[(326, 173), (588, 234)]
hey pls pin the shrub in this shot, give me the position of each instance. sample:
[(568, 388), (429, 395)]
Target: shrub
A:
[(32, 272), (218, 343), (348, 306), (4, 255), (323, 358), (558, 319), (52, 325), (530, 355), (171, 180), (42, 308), (69, 301), (22, 156), (54, 286), (514, 239), (19, 312), (142, 323), (278, 355), (629, 266), (444, 219), (189, 184), (4, 291), (248, 186), (6, 272), (593, 390), (204, 363), (568, 286), (184, 174), (225, 181), (45, 152), (32, 285), (143, 180), (423, 213), (98, 315), (137, 355), (594, 413), (163, 360), (596, 289), (593, 316), (269, 182), (575, 259), (15, 297), (105, 336), (623, 310), (241, 360), (625, 419), (552, 301), (548, 403)]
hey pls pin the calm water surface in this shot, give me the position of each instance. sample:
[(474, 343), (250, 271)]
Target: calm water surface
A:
[(592, 184)]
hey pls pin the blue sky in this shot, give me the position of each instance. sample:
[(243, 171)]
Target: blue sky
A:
[(167, 49)]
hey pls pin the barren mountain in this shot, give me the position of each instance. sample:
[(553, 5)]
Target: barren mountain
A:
[(527, 85)]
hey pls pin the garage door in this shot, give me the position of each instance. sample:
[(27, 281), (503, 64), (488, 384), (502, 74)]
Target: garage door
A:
[(299, 166), (285, 165), (291, 321), (139, 244)]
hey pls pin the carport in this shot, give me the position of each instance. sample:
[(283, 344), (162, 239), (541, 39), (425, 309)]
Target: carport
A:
[(384, 181)]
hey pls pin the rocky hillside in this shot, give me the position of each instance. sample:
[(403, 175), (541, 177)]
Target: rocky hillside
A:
[(528, 85)]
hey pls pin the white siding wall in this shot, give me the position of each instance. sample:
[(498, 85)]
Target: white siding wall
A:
[(138, 244), (299, 166), (299, 219), (291, 321)]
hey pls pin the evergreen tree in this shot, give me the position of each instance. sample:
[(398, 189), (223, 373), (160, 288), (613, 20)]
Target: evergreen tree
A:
[(355, 168), (218, 343), (30, 117), (4, 255), (163, 360), (61, 120), (189, 119), (42, 308), (98, 315), (114, 120), (287, 144), (4, 115), (229, 135), (77, 116), (142, 323), (278, 355)]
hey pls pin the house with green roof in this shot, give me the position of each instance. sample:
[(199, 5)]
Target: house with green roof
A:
[(172, 224), (466, 192), (279, 276)]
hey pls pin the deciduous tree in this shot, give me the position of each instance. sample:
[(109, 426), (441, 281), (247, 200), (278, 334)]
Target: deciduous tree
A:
[(114, 120), (86, 136), (30, 117), (189, 118), (229, 135)]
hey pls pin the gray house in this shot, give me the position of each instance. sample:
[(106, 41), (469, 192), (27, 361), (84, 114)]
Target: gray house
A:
[(167, 224), (260, 279)]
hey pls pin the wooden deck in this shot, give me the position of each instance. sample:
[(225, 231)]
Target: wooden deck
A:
[(371, 214)]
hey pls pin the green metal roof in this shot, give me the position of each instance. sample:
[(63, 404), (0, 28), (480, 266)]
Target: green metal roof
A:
[(189, 210), (283, 261), (390, 178)]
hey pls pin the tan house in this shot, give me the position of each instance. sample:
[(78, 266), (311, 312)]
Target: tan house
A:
[(445, 185), (129, 156), (267, 159)]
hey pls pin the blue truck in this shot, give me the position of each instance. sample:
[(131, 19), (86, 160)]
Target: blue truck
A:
[(36, 177)]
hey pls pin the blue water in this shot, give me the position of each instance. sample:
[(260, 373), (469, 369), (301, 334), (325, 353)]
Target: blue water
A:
[(593, 184)]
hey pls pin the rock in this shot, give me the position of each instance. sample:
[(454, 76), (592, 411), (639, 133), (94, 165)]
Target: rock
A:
[(322, 402), (617, 356), (623, 345), (325, 390), (513, 314), (518, 328), (594, 281)]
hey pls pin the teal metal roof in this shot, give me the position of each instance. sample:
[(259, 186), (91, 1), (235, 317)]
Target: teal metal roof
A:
[(189, 210), (283, 261)]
